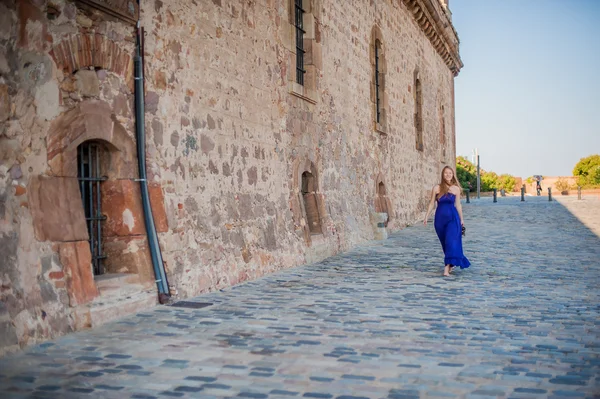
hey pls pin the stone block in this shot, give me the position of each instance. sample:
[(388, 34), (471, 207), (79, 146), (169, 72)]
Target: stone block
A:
[(47, 100), (129, 255), (57, 210), (33, 27), (76, 260), (313, 55), (378, 220), (88, 84), (157, 202), (122, 205), (4, 103), (8, 334)]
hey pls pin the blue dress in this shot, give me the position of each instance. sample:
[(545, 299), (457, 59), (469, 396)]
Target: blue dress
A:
[(448, 228)]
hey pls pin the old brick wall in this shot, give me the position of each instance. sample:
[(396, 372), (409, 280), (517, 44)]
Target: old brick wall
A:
[(228, 138), (66, 77), (226, 131)]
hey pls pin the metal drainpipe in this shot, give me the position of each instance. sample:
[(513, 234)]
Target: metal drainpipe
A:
[(153, 245)]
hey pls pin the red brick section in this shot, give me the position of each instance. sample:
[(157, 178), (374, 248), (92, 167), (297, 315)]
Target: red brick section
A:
[(119, 196), (76, 260), (85, 50), (27, 14), (56, 275), (57, 209)]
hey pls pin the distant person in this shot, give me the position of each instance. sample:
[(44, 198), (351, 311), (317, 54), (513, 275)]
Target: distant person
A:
[(538, 186), (448, 222)]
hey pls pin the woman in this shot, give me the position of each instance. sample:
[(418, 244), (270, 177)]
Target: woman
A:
[(448, 220)]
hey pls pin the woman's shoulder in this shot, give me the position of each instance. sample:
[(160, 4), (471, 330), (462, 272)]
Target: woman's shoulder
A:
[(455, 190), (436, 188)]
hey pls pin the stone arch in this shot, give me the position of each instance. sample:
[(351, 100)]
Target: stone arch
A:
[(90, 120), (92, 50), (382, 200), (377, 57), (306, 194)]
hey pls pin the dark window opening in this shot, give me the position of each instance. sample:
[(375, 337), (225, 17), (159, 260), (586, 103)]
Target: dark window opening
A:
[(377, 83), (382, 205), (419, 114), (443, 132), (299, 23), (310, 203), (88, 173)]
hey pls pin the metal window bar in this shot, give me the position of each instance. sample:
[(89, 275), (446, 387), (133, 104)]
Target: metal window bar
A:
[(377, 100), (299, 18), (88, 174)]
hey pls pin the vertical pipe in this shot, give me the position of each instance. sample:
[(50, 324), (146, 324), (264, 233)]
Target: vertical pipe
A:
[(522, 193), (153, 244), (495, 195), (549, 193), (478, 179)]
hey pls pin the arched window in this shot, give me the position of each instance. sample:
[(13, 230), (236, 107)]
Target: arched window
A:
[(382, 203), (381, 192), (310, 203)]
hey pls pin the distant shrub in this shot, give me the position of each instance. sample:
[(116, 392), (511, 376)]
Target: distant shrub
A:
[(561, 184)]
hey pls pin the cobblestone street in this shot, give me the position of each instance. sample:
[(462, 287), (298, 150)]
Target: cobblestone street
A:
[(376, 322)]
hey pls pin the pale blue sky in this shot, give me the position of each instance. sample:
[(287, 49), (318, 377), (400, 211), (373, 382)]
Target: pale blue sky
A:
[(528, 96)]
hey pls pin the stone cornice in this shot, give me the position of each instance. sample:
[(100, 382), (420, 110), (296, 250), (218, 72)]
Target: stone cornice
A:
[(435, 23)]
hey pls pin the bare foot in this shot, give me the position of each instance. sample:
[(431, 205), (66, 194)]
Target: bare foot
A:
[(446, 271)]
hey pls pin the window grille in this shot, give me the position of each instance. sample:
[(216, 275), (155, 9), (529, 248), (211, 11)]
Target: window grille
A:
[(299, 19), (88, 174), (377, 83)]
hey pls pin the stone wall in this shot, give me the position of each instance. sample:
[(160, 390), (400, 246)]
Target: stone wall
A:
[(550, 182), (230, 136)]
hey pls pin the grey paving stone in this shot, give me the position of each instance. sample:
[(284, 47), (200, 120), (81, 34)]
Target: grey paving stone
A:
[(378, 321)]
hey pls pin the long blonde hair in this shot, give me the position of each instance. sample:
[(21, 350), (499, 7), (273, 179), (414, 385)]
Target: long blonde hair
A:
[(445, 187)]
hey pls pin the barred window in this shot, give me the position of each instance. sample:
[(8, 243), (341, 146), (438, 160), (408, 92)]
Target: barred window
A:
[(418, 112), (299, 17), (377, 82)]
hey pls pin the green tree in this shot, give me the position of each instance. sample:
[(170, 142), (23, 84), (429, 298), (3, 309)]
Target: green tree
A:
[(489, 181), (507, 182), (587, 171), (466, 173)]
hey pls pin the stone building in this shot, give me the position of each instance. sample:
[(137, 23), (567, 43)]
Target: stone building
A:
[(277, 132)]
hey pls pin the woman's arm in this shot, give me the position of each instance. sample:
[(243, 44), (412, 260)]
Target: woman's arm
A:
[(458, 206), (430, 207)]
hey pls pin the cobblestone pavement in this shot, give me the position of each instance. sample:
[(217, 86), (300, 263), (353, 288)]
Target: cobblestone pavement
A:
[(376, 322)]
